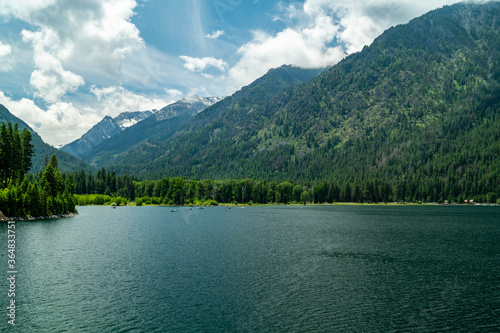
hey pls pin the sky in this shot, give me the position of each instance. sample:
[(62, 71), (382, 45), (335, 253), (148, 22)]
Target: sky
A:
[(65, 64)]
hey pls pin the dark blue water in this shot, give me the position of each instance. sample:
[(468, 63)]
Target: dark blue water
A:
[(258, 269)]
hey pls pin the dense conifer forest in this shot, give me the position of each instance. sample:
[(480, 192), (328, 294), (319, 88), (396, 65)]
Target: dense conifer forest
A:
[(47, 193)]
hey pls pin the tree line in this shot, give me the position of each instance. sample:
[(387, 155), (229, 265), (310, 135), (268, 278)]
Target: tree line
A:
[(106, 187)]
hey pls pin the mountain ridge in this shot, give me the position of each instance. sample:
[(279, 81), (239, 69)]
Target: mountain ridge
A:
[(159, 126), (104, 130)]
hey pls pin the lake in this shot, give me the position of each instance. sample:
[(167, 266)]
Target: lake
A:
[(258, 269)]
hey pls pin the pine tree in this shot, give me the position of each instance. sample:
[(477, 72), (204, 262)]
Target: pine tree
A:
[(54, 162), (28, 150), (5, 153), (51, 179)]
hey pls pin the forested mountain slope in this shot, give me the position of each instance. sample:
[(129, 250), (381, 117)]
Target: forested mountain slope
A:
[(229, 114), (67, 162)]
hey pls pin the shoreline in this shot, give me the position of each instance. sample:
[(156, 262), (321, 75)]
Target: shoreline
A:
[(39, 218)]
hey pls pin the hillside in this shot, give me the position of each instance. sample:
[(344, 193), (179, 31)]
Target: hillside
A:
[(231, 113), (67, 162)]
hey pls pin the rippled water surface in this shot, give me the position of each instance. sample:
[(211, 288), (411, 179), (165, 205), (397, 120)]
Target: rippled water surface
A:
[(258, 269)]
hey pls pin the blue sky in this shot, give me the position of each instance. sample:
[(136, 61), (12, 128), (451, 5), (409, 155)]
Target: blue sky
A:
[(65, 64)]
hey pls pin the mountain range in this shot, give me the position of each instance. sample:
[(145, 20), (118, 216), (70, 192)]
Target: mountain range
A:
[(104, 130), (113, 136)]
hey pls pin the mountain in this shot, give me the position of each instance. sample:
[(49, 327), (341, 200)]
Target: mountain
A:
[(420, 106), (158, 127), (67, 162), (228, 112), (104, 130)]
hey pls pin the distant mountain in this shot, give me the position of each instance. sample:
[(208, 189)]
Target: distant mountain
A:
[(419, 108), (228, 113), (159, 126), (104, 130), (67, 162)]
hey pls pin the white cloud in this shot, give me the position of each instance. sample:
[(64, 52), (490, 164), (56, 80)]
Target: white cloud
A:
[(6, 60), (5, 49), (58, 124), (359, 22), (74, 36), (174, 94), (62, 123), (115, 100), (307, 45), (50, 79), (200, 64), (215, 34)]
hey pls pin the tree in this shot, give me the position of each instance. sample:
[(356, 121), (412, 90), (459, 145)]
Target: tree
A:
[(297, 193), (54, 162), (16, 152), (286, 190), (51, 181), (17, 162), (28, 150), (5, 154)]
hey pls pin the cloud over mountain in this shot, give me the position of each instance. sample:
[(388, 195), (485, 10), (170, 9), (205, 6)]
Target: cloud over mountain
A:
[(320, 33)]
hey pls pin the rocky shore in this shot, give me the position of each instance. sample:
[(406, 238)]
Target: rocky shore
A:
[(3, 217), (31, 218)]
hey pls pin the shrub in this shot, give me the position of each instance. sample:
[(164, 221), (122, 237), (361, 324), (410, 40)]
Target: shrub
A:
[(210, 202)]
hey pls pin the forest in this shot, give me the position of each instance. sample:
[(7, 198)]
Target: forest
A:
[(22, 194)]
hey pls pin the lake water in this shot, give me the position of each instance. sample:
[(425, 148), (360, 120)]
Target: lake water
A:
[(258, 269)]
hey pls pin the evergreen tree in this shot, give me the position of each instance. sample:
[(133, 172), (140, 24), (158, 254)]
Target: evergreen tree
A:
[(51, 181), (28, 150)]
